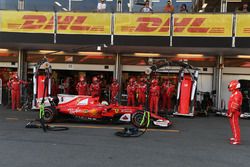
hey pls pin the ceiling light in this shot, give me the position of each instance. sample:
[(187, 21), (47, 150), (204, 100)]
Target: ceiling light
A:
[(47, 51), (58, 4), (234, 0), (204, 5), (147, 54), (4, 50), (90, 53), (99, 48), (58, 53), (51, 52), (65, 9), (244, 56), (189, 55)]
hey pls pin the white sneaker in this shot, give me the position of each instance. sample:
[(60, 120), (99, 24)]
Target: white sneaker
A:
[(232, 139), (234, 142)]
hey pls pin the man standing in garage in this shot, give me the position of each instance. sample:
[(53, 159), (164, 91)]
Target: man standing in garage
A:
[(233, 113), (114, 88), (95, 87), (141, 90), (82, 87), (131, 90), (164, 89), (154, 95), (14, 86)]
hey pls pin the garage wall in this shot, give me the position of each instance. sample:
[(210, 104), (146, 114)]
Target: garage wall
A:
[(205, 83), (8, 64), (231, 73)]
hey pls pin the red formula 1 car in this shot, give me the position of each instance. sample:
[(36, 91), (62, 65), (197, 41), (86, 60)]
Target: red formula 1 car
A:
[(90, 108)]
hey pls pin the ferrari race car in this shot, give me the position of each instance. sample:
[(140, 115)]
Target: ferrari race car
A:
[(90, 108)]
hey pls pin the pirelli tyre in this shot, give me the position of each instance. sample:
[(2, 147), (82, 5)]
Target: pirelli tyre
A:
[(50, 114), (138, 120)]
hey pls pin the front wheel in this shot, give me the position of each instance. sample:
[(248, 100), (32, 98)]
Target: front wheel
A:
[(50, 114), (140, 119)]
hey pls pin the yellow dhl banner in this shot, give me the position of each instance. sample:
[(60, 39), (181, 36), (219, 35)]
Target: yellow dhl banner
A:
[(84, 23), (242, 25), (203, 25), (29, 22), (68, 23), (142, 24)]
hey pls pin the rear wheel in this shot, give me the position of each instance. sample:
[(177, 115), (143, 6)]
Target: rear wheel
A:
[(138, 120), (50, 114)]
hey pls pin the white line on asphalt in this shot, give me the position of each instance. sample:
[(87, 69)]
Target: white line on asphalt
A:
[(108, 127), (11, 119)]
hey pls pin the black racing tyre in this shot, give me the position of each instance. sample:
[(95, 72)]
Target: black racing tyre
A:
[(50, 114), (137, 119)]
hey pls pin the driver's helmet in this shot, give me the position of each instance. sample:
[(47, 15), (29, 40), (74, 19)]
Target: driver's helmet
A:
[(105, 103), (233, 85)]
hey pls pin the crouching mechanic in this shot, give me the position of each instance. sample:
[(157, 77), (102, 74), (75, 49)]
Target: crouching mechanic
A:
[(234, 105)]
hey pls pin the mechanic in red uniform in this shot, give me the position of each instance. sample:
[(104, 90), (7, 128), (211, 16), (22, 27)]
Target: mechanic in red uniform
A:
[(164, 89), (101, 83), (170, 93), (114, 88), (131, 90), (14, 85), (54, 87), (233, 113), (167, 92), (95, 88), (66, 85), (82, 87), (141, 90), (154, 94)]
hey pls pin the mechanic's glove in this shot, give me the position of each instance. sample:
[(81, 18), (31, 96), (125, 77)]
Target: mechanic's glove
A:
[(229, 115)]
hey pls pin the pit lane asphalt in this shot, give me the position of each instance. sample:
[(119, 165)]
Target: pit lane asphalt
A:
[(197, 142)]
